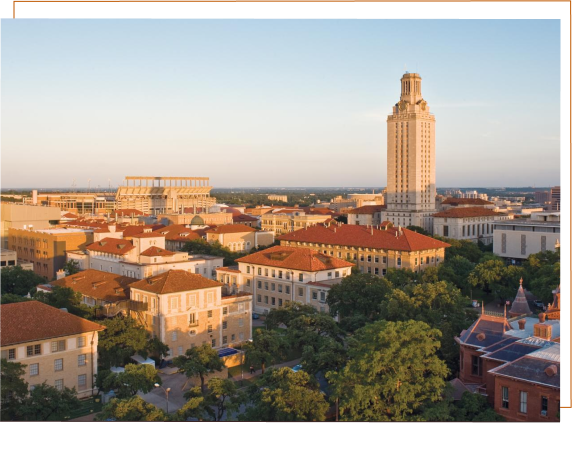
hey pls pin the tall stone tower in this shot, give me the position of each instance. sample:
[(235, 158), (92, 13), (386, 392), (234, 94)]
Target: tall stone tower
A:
[(411, 189)]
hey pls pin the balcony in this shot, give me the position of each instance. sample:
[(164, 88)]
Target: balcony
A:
[(194, 323), (137, 306)]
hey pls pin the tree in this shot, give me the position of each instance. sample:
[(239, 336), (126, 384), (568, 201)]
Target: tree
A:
[(464, 248), (199, 361), (358, 295), (13, 389), (65, 297), (16, 280), (393, 370), (131, 409), (265, 348), (122, 338), (418, 229), (283, 395), (222, 396), (10, 298), (135, 378), (276, 317), (71, 267), (400, 278), (156, 348), (456, 270), (46, 401), (487, 275), (542, 274)]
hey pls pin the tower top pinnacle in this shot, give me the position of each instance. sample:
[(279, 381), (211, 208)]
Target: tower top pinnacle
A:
[(411, 87)]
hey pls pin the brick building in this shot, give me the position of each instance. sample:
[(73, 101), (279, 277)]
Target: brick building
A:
[(57, 347)]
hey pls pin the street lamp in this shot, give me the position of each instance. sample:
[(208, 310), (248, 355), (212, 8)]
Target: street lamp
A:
[(166, 390)]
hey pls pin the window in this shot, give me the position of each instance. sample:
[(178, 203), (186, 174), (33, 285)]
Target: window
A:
[(523, 401), (81, 359), (174, 335), (266, 285), (300, 291), (259, 298), (80, 342), (180, 350), (209, 328), (266, 272), (59, 384), (273, 301), (11, 354), (225, 310), (287, 289), (34, 369), (361, 258), (280, 274), (543, 406), (224, 324), (476, 366), (273, 286), (213, 342), (384, 259), (279, 302), (240, 322), (82, 381), (247, 282), (445, 230), (248, 270), (232, 337), (192, 318), (377, 271), (398, 261), (58, 346), (33, 350), (241, 336), (58, 365), (301, 277), (505, 397), (259, 271), (224, 339), (259, 284), (209, 313), (266, 299)]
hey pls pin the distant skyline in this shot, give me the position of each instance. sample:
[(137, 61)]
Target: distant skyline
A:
[(283, 103)]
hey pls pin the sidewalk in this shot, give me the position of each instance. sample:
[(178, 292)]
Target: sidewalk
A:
[(258, 372)]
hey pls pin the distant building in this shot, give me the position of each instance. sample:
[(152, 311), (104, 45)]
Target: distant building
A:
[(467, 223), (46, 248), (463, 202), (518, 238), (287, 220), (514, 363), (279, 275), (185, 310), (277, 197), (555, 198), (164, 195), (8, 258), (369, 215), (18, 216), (374, 250), (239, 238), (58, 348), (542, 197), (97, 203), (192, 218)]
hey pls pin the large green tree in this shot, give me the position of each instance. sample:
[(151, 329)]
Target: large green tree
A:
[(46, 402), (122, 338), (199, 361), (542, 274), (10, 298), (16, 280), (13, 389), (358, 296), (456, 270), (266, 347), (131, 409), (283, 395), (393, 370), (135, 378), (65, 297), (221, 397)]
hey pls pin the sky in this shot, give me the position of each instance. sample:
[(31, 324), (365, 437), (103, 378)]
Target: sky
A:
[(274, 103)]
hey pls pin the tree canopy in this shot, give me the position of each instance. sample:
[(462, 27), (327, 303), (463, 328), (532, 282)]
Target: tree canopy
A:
[(393, 369), (46, 402), (135, 378), (265, 348), (16, 280), (199, 361), (131, 409), (122, 338), (13, 389)]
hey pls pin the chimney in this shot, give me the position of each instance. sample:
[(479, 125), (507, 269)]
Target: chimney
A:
[(541, 329), (60, 274), (521, 323)]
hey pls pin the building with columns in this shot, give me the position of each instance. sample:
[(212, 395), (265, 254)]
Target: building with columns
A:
[(411, 188), (154, 195)]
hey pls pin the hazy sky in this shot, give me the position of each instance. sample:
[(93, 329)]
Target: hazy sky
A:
[(274, 102)]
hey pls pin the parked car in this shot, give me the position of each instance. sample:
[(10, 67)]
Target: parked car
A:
[(255, 315), (297, 368)]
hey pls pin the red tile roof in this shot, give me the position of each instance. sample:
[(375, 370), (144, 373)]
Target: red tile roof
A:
[(70, 216), (96, 284), (148, 235), (23, 322), (174, 281), (465, 201), (114, 246), (295, 258), (227, 269), (366, 210), (132, 230), (180, 232), (364, 236), (243, 218), (231, 228), (467, 212), (155, 251)]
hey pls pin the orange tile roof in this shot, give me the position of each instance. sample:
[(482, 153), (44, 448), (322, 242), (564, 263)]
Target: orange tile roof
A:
[(129, 212), (155, 251), (366, 210), (133, 230), (70, 216), (231, 228), (465, 201), (180, 232), (148, 235), (23, 322), (243, 218), (295, 258), (227, 269), (467, 212), (174, 281), (364, 236), (114, 246), (101, 285)]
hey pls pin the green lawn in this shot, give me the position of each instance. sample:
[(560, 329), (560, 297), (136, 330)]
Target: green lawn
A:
[(88, 406)]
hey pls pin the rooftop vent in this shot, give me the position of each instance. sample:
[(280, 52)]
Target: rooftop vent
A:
[(481, 336), (552, 370), (521, 323)]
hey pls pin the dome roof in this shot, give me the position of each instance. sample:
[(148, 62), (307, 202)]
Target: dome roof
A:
[(197, 220)]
